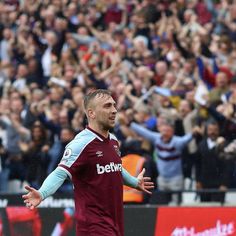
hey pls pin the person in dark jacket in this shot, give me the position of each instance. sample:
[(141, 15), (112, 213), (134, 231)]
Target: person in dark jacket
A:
[(35, 155), (213, 172)]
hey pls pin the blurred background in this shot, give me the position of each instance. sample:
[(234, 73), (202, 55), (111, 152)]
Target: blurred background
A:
[(171, 67)]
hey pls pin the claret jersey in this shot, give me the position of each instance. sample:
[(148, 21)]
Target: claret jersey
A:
[(94, 165)]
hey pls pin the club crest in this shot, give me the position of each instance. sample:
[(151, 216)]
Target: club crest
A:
[(67, 153), (117, 150)]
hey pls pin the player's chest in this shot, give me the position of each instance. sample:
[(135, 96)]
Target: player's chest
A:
[(101, 152)]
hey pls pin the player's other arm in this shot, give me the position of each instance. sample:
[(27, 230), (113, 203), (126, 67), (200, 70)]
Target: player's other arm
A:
[(50, 185), (141, 183)]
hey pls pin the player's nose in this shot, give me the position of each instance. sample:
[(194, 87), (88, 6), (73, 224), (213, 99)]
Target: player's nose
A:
[(114, 110)]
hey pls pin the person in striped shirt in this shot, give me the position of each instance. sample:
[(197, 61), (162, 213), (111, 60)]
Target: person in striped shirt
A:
[(168, 150)]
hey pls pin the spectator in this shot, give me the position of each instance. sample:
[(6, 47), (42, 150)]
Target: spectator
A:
[(15, 132), (34, 155), (161, 70), (21, 78), (184, 124), (213, 172), (168, 149), (4, 169), (4, 45), (220, 88), (224, 113)]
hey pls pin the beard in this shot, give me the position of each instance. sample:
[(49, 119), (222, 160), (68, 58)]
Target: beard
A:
[(106, 126)]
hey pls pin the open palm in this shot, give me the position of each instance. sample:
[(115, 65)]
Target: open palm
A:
[(33, 198), (144, 183)]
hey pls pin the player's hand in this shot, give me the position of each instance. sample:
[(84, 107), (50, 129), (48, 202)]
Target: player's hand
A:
[(33, 198), (144, 183)]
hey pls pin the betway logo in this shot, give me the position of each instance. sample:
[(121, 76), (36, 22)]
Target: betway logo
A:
[(112, 167), (219, 230)]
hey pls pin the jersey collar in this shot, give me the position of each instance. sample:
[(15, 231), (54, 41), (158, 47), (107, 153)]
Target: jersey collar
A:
[(99, 136)]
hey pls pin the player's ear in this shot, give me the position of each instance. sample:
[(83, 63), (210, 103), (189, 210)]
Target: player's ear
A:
[(91, 113)]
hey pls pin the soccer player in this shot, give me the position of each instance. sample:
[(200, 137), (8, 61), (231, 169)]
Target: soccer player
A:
[(92, 161)]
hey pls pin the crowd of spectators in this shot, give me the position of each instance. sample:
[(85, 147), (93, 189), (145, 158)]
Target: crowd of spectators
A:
[(171, 67)]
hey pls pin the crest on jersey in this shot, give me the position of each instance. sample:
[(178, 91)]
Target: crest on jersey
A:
[(117, 150), (67, 153)]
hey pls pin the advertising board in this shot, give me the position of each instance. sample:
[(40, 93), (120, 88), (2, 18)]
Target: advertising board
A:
[(196, 221)]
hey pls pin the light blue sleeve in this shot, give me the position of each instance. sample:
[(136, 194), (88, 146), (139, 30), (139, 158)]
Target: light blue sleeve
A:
[(144, 132), (128, 179), (53, 182), (184, 140)]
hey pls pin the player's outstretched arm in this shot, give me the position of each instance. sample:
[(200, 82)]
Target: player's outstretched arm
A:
[(141, 183), (50, 185), (144, 183)]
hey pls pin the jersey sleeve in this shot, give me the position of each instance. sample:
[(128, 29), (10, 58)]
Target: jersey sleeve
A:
[(72, 154), (52, 183), (128, 179)]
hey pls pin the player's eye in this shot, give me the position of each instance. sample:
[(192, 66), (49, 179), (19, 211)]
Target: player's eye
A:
[(109, 105)]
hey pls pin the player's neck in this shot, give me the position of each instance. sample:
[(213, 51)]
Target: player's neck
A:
[(99, 130)]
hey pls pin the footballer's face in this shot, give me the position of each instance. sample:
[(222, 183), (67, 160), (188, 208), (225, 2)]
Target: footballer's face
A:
[(104, 111)]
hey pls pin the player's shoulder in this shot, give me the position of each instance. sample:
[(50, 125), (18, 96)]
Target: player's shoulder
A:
[(112, 136), (81, 140)]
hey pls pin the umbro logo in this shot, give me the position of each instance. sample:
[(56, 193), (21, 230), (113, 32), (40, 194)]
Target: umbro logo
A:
[(99, 154)]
